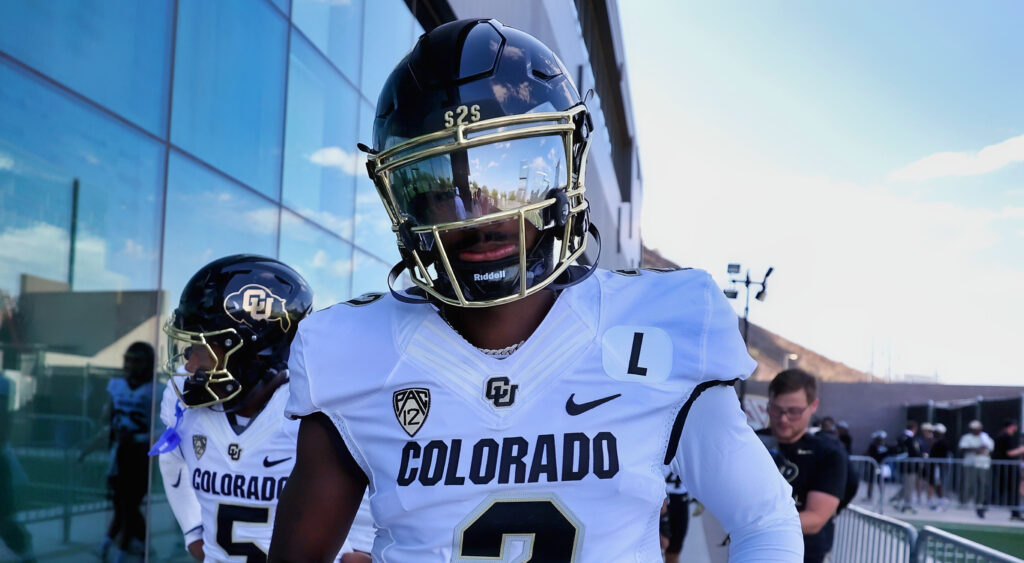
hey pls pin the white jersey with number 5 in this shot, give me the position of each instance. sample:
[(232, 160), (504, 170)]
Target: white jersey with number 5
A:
[(236, 478), (558, 452)]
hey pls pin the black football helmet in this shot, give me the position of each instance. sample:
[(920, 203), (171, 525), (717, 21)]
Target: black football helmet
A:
[(232, 329), (479, 149)]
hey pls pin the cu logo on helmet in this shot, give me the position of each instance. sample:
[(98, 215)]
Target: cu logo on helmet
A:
[(256, 303)]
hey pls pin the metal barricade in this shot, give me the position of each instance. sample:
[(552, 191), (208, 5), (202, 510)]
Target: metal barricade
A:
[(938, 483), (938, 546), (862, 535), (871, 491)]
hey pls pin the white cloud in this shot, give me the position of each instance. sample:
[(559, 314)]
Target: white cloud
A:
[(943, 164), (6, 162), (335, 157)]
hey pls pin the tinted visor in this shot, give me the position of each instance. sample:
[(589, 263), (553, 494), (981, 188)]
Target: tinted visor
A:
[(470, 183)]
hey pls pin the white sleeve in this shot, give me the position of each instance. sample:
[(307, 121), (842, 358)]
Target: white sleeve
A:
[(181, 497), (300, 400), (727, 468), (177, 484)]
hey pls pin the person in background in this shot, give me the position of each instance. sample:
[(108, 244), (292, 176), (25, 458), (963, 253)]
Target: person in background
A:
[(129, 410), (1008, 448), (815, 465), (878, 451), (678, 515), (844, 436), (910, 468), (940, 454), (229, 450), (976, 447)]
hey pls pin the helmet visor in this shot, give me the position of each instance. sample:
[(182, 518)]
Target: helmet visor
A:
[(466, 184)]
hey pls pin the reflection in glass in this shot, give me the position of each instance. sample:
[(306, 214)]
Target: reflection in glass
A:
[(394, 30), (372, 226), (335, 28), (237, 50), (116, 53), (321, 158), (209, 216), (323, 259), (470, 183), (370, 274), (62, 162), (79, 231)]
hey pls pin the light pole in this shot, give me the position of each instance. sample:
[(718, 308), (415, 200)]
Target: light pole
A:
[(732, 293)]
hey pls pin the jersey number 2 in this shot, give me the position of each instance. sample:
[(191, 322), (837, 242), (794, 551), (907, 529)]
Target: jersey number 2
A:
[(553, 534), (227, 515)]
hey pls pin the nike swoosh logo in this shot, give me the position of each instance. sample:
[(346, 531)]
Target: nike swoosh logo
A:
[(268, 463), (178, 482), (574, 408)]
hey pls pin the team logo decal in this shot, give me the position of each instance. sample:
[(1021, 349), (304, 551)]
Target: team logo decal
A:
[(199, 445), (500, 391), (411, 408), (253, 303), (235, 451)]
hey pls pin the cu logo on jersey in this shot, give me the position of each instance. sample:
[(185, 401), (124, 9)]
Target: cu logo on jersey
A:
[(235, 451), (500, 391), (255, 303), (411, 407)]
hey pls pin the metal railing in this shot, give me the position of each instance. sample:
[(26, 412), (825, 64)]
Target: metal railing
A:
[(938, 546), (862, 535), (872, 484), (937, 483)]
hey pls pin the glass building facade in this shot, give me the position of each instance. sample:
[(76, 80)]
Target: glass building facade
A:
[(139, 141)]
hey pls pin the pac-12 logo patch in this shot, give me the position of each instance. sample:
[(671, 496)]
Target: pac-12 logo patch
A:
[(411, 408), (255, 303), (199, 445)]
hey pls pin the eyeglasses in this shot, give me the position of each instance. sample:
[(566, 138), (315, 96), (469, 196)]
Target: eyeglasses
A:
[(791, 412)]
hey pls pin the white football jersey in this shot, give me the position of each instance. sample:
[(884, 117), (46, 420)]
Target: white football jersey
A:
[(557, 453), (237, 477)]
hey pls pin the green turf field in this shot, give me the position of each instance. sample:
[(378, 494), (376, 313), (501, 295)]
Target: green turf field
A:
[(1003, 538)]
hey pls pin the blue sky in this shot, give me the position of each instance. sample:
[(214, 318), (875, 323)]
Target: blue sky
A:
[(873, 153)]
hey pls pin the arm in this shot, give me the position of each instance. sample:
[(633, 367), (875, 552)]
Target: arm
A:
[(101, 435), (818, 508), (180, 494), (321, 498), (725, 465), (183, 501)]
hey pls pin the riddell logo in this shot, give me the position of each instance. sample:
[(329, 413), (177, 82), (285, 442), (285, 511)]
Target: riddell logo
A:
[(490, 276)]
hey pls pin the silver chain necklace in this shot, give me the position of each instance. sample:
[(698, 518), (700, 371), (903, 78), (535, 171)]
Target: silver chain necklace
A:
[(499, 353)]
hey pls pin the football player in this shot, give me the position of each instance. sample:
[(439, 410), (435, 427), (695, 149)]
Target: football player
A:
[(229, 450), (513, 406), (130, 410)]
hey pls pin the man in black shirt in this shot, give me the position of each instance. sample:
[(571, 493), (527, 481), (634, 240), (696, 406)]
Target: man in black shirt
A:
[(815, 467), (1007, 447)]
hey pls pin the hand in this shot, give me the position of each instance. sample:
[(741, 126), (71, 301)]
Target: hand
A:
[(196, 549)]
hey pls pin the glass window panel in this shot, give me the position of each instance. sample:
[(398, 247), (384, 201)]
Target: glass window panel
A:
[(209, 216), (322, 258), (49, 142), (394, 31), (229, 77), (335, 28), (321, 158), (284, 5), (370, 274), (62, 340), (116, 53), (372, 226)]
